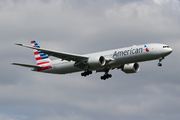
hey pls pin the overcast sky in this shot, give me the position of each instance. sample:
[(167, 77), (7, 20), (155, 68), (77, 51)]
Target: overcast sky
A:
[(86, 26)]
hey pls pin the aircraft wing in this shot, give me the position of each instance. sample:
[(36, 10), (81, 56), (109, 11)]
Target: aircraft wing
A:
[(26, 65), (61, 55)]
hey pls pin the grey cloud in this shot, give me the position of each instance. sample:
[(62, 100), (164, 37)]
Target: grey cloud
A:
[(83, 27)]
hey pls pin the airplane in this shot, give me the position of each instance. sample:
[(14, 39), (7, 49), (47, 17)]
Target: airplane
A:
[(126, 59)]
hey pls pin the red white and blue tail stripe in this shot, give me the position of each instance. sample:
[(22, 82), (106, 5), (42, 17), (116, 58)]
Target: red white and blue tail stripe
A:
[(41, 58)]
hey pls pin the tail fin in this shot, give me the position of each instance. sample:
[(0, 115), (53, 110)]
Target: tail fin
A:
[(41, 58)]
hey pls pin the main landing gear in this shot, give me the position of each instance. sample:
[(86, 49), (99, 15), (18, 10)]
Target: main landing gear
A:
[(160, 60), (106, 75), (85, 73)]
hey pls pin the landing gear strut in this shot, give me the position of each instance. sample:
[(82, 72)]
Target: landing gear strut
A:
[(160, 60), (106, 75), (85, 73)]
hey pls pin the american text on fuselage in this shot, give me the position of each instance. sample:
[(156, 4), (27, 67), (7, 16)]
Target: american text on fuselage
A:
[(128, 52)]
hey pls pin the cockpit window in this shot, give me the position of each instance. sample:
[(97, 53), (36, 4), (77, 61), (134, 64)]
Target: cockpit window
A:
[(165, 46)]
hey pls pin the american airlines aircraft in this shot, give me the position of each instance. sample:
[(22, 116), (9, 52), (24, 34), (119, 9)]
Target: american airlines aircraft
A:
[(123, 58)]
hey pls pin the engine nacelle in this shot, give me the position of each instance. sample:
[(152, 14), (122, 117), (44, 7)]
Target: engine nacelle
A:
[(96, 62), (131, 68)]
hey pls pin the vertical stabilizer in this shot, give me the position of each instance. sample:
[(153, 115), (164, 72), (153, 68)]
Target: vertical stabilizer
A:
[(41, 58)]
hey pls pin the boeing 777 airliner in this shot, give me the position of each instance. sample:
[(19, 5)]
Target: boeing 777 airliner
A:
[(125, 59)]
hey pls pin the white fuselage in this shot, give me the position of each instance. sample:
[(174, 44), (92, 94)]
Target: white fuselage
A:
[(118, 57)]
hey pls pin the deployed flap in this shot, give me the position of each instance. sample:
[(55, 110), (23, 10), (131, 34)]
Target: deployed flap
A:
[(62, 55), (26, 65)]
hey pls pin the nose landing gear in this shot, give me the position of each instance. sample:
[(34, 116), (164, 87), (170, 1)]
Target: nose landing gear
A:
[(160, 60), (159, 64)]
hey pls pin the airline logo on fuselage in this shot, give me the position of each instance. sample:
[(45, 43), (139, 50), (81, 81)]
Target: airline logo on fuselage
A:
[(128, 52)]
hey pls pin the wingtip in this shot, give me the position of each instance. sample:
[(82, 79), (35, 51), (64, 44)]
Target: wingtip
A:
[(19, 44), (13, 63)]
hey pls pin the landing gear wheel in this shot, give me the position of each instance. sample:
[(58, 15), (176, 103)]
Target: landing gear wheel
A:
[(106, 76), (103, 78), (159, 64), (85, 73)]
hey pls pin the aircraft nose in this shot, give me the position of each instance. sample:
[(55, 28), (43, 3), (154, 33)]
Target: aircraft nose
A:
[(168, 51)]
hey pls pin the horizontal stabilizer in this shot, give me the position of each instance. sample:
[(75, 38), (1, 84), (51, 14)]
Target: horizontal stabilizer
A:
[(26, 65), (18, 44)]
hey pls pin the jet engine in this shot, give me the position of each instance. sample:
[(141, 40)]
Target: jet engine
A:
[(96, 62), (131, 68)]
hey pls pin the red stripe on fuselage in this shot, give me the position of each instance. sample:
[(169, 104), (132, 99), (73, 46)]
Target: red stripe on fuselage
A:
[(44, 68)]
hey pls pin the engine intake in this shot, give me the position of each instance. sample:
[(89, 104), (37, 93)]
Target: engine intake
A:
[(96, 62), (131, 68)]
